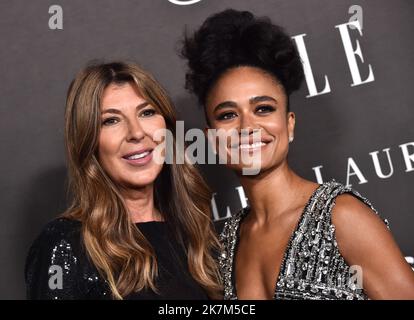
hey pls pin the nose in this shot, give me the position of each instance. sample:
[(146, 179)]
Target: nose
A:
[(135, 131), (247, 124)]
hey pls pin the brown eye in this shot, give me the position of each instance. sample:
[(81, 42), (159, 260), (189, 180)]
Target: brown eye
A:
[(226, 116), (147, 113), (110, 121), (265, 109)]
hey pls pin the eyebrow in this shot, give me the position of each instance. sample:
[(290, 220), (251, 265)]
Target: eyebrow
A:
[(225, 104), (253, 100), (258, 99), (117, 111)]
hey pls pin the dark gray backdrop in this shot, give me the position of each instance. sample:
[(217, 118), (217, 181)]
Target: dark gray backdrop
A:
[(37, 65)]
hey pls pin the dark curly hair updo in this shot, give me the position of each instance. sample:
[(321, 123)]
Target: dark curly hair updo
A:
[(234, 38)]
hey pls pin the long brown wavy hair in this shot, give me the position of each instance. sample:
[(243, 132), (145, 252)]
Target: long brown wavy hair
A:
[(117, 248)]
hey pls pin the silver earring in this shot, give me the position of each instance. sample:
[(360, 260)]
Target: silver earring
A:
[(290, 139)]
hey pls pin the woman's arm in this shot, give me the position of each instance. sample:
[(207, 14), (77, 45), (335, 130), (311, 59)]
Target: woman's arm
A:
[(52, 264), (364, 240)]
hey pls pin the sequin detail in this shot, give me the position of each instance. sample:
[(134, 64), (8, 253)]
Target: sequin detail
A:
[(58, 267), (312, 266)]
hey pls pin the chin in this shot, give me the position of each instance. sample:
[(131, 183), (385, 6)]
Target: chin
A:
[(140, 179), (238, 168), (138, 183), (264, 166)]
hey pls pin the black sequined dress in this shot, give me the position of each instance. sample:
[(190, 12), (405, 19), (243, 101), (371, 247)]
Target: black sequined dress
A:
[(59, 246)]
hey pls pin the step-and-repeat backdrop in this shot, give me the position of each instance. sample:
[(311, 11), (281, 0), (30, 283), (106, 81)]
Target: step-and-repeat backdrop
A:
[(354, 111)]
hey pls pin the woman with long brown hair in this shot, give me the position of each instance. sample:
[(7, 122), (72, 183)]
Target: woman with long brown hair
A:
[(137, 228)]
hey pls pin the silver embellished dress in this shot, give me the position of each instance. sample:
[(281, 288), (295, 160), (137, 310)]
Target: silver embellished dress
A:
[(312, 266)]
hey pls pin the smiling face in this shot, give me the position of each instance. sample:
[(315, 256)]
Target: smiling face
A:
[(128, 125), (250, 99)]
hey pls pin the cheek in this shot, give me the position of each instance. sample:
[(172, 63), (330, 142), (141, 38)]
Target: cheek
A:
[(151, 127), (108, 146), (278, 126)]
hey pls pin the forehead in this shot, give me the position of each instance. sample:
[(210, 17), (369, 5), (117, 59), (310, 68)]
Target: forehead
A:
[(242, 83), (121, 95)]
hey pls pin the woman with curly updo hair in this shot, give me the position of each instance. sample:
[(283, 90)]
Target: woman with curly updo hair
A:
[(297, 239)]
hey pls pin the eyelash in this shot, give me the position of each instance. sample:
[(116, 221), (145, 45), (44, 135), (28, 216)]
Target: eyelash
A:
[(106, 121), (223, 116), (109, 121), (267, 109), (146, 110)]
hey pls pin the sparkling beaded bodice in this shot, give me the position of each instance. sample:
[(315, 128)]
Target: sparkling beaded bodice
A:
[(312, 267)]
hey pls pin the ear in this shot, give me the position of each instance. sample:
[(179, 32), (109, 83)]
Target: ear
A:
[(291, 119)]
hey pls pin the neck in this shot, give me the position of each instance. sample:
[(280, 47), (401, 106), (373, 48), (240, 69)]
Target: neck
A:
[(140, 204), (272, 193)]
